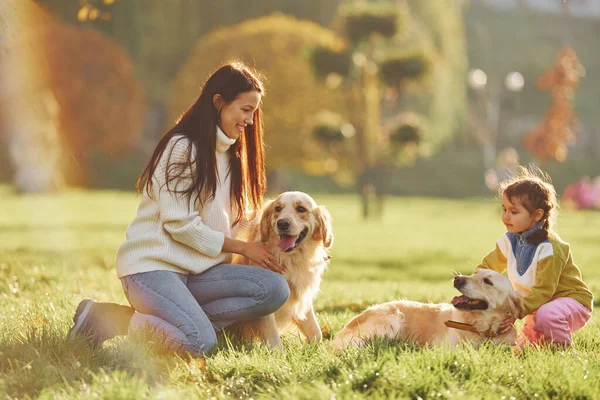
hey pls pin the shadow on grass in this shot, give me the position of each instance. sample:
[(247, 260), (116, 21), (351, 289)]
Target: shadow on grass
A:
[(41, 358)]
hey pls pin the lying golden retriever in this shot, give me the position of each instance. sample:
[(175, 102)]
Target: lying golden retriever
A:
[(299, 233), (487, 298)]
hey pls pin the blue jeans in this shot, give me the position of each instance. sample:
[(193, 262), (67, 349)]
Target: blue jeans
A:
[(187, 310)]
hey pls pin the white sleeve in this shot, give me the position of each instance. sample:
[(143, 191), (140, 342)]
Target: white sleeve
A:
[(180, 217), (247, 225)]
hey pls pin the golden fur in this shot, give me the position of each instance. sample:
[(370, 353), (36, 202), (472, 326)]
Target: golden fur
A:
[(304, 265), (423, 323)]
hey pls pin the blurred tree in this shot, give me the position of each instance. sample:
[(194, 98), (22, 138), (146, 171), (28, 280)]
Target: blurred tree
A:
[(441, 26), (375, 58), (549, 140), (159, 34), (277, 46), (100, 101), (540, 35), (95, 103), (28, 109)]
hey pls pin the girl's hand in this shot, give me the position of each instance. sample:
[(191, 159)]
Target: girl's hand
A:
[(261, 255), (507, 324)]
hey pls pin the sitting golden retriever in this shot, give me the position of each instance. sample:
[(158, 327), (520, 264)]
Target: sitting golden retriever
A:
[(299, 233), (487, 298)]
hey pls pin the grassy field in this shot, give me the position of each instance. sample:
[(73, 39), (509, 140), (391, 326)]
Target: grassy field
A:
[(55, 251)]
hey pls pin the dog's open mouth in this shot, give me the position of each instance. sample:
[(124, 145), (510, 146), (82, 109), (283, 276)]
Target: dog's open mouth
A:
[(466, 303), (288, 243)]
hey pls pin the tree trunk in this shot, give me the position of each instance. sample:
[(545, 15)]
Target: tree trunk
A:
[(368, 137)]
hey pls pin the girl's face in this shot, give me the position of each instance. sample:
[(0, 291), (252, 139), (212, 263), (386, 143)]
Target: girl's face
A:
[(238, 114), (515, 216)]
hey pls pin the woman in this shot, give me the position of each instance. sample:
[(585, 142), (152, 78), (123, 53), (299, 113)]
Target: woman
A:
[(175, 266)]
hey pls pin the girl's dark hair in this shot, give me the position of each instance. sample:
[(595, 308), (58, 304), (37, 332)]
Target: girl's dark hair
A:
[(199, 125), (534, 189)]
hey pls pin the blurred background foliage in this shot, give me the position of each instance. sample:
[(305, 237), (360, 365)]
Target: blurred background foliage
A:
[(84, 82), (124, 70), (277, 45)]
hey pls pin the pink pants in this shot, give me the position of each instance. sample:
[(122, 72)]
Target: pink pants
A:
[(555, 322)]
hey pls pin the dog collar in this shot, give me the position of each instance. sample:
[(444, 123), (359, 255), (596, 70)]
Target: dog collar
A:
[(468, 327)]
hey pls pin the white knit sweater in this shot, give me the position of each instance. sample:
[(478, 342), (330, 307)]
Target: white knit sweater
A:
[(168, 233)]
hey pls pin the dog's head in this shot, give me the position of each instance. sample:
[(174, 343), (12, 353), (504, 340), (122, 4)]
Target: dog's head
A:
[(487, 290), (294, 217)]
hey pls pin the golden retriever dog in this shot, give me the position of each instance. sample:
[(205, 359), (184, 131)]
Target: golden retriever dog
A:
[(487, 298), (299, 233)]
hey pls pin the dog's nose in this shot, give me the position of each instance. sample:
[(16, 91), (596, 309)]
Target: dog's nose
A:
[(283, 224), (459, 281)]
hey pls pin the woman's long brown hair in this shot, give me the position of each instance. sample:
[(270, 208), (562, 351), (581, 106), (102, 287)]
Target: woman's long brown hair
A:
[(199, 125)]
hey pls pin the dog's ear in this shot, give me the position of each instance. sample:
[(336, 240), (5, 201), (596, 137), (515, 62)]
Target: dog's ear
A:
[(265, 220), (323, 230), (515, 305)]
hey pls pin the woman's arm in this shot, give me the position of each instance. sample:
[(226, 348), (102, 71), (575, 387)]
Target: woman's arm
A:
[(256, 251), (179, 216)]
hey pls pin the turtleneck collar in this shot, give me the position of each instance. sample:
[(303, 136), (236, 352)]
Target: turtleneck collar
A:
[(224, 142), (525, 234), (533, 230)]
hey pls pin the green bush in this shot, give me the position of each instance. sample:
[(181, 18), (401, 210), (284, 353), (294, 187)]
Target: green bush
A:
[(362, 21), (326, 61), (396, 70)]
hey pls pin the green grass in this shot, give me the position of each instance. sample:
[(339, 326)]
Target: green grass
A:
[(54, 251)]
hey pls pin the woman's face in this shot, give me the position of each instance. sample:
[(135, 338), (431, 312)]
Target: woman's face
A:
[(238, 114)]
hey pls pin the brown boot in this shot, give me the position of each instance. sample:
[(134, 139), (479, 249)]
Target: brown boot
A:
[(97, 322)]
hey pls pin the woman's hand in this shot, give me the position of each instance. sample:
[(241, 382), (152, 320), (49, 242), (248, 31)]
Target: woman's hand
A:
[(507, 324), (261, 255)]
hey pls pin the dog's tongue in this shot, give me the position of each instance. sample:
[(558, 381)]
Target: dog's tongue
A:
[(460, 299), (286, 242)]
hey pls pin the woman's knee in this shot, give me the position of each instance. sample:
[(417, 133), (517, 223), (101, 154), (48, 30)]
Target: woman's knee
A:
[(282, 290), (194, 338), (277, 291), (201, 343)]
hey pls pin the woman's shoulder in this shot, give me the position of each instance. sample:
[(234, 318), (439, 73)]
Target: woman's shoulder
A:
[(179, 140), (179, 150), (179, 146)]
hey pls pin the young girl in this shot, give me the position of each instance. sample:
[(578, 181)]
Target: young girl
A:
[(175, 266), (540, 266)]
